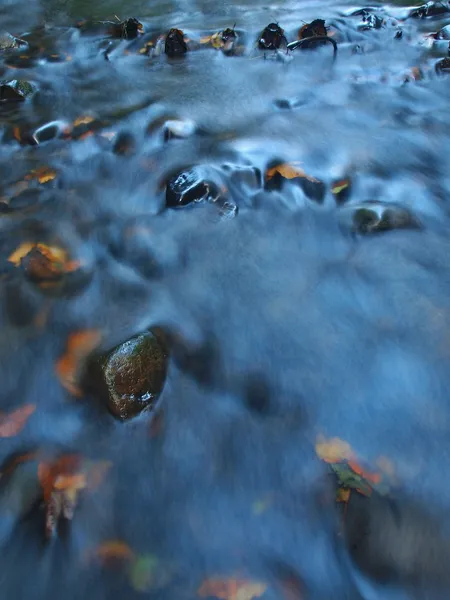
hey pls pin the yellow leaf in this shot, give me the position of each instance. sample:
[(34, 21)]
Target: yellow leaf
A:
[(20, 253), (84, 120), (343, 495), (333, 450), (42, 174), (216, 40), (340, 185)]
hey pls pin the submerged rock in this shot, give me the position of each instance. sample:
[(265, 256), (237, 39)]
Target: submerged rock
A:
[(373, 217), (133, 375), (9, 42), (16, 90), (431, 9)]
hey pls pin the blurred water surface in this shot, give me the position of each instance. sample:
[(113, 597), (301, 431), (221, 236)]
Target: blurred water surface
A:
[(287, 324)]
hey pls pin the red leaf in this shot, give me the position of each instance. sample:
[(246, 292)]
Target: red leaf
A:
[(79, 345), (12, 423)]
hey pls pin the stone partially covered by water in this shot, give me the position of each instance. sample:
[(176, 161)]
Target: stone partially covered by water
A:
[(373, 217), (134, 374), (16, 90), (190, 186)]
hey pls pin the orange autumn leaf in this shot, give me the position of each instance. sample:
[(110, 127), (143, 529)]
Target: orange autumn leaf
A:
[(44, 264), (333, 450), (288, 171), (12, 423), (231, 589), (42, 174), (64, 470), (113, 550), (370, 477), (79, 345)]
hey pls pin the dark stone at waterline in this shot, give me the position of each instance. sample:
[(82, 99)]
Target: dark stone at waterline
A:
[(133, 375), (175, 44), (127, 30), (9, 42), (190, 186), (373, 217), (272, 38), (443, 66), (431, 9), (16, 90)]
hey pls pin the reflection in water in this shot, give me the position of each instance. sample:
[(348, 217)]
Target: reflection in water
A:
[(281, 221)]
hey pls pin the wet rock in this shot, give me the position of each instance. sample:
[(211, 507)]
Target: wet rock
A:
[(228, 210), (311, 30), (373, 217), (22, 60), (229, 39), (175, 44), (444, 33), (371, 21), (133, 375), (126, 30), (272, 38), (190, 186), (125, 144), (178, 129), (16, 90), (46, 132), (341, 189), (430, 9), (9, 42), (442, 67)]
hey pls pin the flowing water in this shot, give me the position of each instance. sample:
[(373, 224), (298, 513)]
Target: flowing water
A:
[(286, 324)]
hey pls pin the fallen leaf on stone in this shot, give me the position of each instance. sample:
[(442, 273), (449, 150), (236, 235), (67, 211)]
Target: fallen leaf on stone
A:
[(286, 170), (231, 589), (45, 265), (42, 174), (339, 186), (68, 368), (12, 423)]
